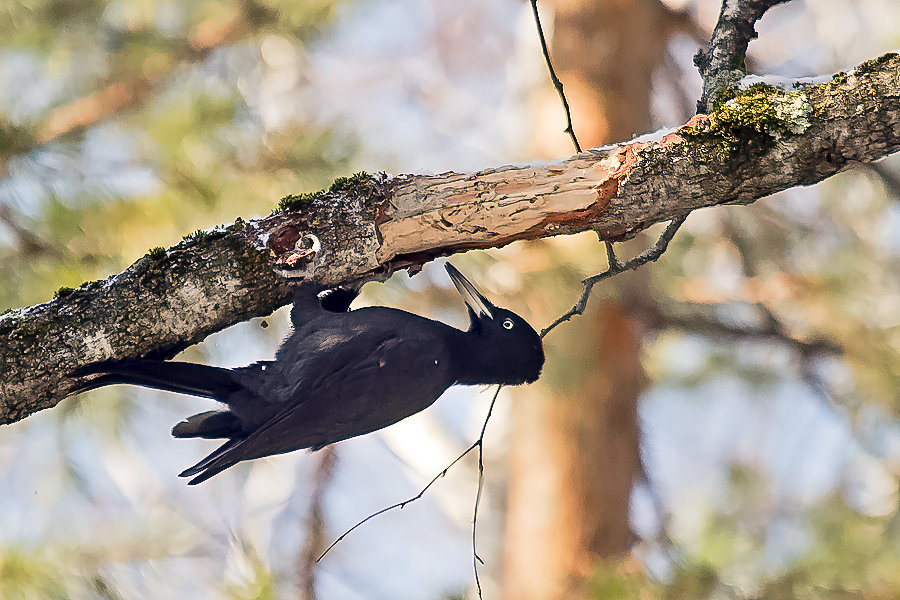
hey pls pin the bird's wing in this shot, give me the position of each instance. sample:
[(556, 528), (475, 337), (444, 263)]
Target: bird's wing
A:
[(350, 389)]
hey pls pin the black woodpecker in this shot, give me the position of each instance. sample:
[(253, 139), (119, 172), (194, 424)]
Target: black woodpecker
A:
[(340, 374)]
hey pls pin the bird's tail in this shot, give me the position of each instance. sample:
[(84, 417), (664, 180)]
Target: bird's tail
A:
[(187, 378), (180, 377), (213, 464), (210, 425)]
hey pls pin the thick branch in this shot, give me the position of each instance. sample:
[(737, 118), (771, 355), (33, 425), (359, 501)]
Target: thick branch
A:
[(722, 63), (366, 228), (706, 322)]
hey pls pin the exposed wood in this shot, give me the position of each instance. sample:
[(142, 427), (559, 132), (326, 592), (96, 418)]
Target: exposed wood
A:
[(161, 305)]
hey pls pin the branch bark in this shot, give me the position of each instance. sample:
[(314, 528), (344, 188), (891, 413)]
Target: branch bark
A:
[(723, 63), (765, 142)]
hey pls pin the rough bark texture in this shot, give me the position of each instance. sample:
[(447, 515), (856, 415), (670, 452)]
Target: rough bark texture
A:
[(722, 64), (767, 141), (170, 300)]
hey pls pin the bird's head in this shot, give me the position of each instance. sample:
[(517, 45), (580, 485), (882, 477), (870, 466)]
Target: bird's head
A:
[(509, 349)]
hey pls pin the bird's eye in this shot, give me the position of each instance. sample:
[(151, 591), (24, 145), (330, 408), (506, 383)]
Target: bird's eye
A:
[(507, 324)]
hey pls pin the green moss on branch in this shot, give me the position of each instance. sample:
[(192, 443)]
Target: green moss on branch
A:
[(761, 113), (359, 185)]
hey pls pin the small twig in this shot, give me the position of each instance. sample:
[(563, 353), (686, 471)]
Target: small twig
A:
[(556, 82), (615, 267), (480, 443), (316, 523), (611, 259), (477, 444)]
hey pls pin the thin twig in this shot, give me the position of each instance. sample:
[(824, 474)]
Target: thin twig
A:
[(611, 258), (477, 444), (399, 504), (480, 443), (615, 267), (556, 82), (316, 522)]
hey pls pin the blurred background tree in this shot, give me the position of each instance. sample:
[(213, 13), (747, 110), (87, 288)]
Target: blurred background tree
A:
[(759, 357)]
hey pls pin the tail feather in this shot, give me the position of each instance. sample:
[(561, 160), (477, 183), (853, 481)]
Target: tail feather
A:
[(180, 377), (216, 383), (211, 424), (206, 468), (213, 470)]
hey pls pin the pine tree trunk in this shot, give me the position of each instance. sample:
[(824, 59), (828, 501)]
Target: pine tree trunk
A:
[(574, 451)]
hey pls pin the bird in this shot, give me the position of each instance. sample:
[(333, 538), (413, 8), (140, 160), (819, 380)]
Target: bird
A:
[(341, 373)]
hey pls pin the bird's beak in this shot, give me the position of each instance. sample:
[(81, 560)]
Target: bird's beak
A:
[(478, 303)]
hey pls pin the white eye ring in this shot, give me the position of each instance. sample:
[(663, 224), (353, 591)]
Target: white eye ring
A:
[(507, 324)]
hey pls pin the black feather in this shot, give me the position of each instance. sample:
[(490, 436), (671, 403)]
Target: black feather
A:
[(179, 377), (210, 425), (340, 374)]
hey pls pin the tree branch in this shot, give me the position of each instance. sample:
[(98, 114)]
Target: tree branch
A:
[(85, 112), (706, 323), (615, 267), (367, 227), (569, 130), (722, 64)]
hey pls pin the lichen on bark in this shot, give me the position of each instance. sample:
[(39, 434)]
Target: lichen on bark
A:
[(760, 141)]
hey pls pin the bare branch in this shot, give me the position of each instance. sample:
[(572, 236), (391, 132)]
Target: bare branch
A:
[(315, 528), (173, 298), (556, 82), (83, 113), (29, 242), (772, 329), (722, 64), (479, 443), (615, 267)]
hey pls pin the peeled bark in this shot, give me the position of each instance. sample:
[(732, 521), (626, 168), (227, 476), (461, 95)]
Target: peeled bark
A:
[(171, 299)]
